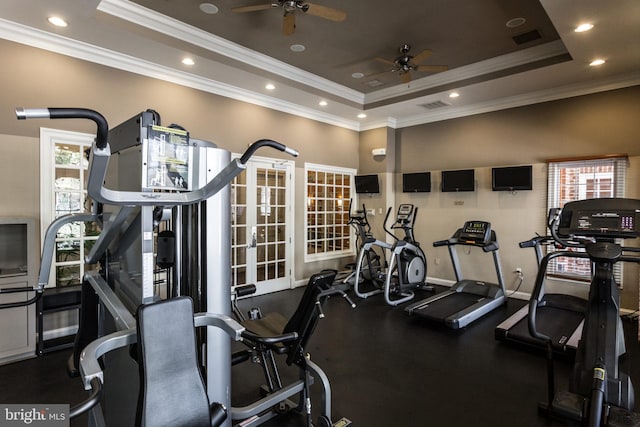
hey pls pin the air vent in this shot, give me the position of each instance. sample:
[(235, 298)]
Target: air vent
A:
[(526, 37), (434, 105), (374, 83)]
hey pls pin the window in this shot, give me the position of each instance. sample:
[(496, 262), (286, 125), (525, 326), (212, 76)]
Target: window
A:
[(577, 180), (329, 190), (63, 181)]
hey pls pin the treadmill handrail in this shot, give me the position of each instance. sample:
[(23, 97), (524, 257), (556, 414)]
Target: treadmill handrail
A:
[(100, 161)]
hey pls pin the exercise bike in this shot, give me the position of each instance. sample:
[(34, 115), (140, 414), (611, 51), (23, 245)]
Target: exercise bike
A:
[(600, 393), (407, 269)]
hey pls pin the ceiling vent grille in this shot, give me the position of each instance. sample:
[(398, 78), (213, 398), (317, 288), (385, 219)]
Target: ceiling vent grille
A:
[(526, 37), (374, 83), (434, 105)]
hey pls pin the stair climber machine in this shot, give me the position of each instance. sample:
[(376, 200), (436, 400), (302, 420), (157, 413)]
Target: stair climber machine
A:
[(468, 299), (161, 178), (559, 316), (407, 269), (600, 392)]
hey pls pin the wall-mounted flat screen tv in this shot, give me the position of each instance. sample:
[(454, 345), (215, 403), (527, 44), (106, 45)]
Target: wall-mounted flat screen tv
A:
[(367, 184), (512, 178), (458, 180), (419, 182)]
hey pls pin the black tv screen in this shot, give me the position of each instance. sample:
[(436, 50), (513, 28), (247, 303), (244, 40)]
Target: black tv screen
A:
[(419, 182), (367, 184), (512, 178), (458, 180)]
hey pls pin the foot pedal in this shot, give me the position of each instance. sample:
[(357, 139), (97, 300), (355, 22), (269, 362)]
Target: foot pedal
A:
[(342, 422)]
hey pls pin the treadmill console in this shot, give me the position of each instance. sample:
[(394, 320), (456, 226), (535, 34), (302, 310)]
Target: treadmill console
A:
[(612, 218), (475, 232)]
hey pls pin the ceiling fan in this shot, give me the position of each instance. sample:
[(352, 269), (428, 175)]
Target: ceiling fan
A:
[(405, 64), (291, 7)]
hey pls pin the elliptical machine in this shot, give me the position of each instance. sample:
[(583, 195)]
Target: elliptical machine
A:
[(600, 393), (407, 269)]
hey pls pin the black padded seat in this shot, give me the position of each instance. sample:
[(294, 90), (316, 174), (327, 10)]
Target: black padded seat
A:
[(303, 321), (172, 391)]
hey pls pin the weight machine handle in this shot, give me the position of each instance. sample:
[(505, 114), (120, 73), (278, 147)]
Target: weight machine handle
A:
[(266, 143), (69, 113)]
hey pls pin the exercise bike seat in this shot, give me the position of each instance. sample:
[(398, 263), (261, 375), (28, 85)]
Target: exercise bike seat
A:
[(172, 391)]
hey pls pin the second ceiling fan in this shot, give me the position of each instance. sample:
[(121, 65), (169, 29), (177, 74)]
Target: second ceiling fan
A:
[(405, 63), (291, 7)]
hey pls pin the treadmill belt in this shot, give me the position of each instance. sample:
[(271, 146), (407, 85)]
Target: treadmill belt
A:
[(445, 307), (556, 323)]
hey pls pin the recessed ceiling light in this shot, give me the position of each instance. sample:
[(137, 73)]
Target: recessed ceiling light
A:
[(188, 61), (323, 103), (57, 21), (357, 75), (515, 22), (583, 27), (597, 62), (297, 48), (209, 8), (454, 95), (270, 86), (362, 116)]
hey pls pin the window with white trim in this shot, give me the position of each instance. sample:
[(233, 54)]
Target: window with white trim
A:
[(327, 232), (63, 191), (578, 180)]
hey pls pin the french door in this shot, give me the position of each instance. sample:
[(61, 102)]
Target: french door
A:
[(262, 225)]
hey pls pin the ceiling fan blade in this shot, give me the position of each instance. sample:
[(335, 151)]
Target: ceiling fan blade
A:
[(405, 77), (431, 68), (253, 8), (385, 61), (326, 12), (377, 74), (422, 56), (289, 23)]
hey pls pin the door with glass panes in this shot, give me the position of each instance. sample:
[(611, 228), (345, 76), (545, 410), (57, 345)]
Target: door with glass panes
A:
[(262, 225)]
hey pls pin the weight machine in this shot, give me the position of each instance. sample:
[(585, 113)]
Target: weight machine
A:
[(161, 175)]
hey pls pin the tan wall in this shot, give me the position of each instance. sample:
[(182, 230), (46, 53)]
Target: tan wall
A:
[(36, 79), (589, 125), (593, 124)]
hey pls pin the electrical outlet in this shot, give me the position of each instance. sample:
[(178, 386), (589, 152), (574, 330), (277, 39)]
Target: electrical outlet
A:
[(437, 261)]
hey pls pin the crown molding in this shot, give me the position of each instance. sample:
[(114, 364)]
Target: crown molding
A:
[(139, 15), (510, 60), (553, 94), (65, 46)]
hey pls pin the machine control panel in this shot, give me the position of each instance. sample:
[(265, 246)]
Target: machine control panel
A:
[(606, 223), (476, 232), (405, 212)]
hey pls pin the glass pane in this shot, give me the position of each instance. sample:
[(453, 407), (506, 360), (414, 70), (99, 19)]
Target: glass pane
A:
[(67, 203), (311, 177), (260, 253), (67, 179), (271, 252), (281, 179), (68, 155), (68, 250), (70, 230), (68, 275), (281, 270), (261, 273)]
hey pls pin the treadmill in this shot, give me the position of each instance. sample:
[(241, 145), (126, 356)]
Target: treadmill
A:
[(559, 316), (468, 299)]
